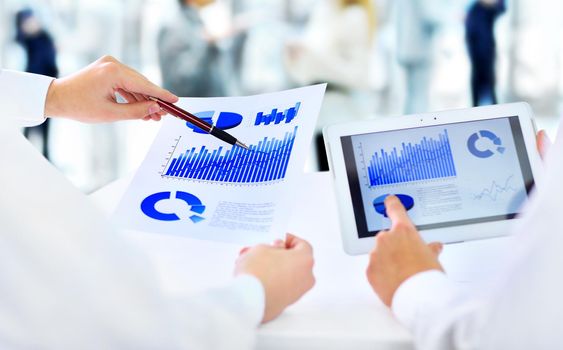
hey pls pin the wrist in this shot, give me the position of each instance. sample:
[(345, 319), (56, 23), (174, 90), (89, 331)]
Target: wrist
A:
[(53, 102)]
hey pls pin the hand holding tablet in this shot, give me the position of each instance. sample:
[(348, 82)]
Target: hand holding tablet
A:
[(462, 174)]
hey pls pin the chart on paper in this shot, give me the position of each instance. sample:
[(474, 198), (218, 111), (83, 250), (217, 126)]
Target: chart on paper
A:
[(192, 184), (265, 161)]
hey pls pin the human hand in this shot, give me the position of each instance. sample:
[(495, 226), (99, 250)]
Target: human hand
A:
[(399, 253), (284, 268), (89, 95), (543, 143)]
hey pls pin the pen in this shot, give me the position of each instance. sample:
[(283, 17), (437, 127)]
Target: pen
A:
[(203, 125)]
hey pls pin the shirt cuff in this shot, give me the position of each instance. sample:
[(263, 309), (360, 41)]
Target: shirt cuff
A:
[(249, 302), (23, 97), (419, 295)]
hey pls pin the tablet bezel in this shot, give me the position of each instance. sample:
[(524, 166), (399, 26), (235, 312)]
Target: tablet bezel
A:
[(354, 245)]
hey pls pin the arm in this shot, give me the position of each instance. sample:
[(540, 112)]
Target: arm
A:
[(407, 276), (88, 95), (68, 281), (22, 97)]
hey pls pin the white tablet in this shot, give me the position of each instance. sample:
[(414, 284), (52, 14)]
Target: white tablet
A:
[(461, 174)]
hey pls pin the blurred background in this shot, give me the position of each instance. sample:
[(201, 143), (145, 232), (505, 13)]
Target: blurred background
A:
[(381, 58)]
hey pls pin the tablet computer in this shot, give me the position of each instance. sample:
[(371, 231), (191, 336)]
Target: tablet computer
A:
[(461, 174)]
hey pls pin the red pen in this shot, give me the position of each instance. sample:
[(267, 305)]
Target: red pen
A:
[(203, 125)]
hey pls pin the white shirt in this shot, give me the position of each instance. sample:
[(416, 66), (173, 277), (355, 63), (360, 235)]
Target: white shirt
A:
[(524, 307), (67, 281)]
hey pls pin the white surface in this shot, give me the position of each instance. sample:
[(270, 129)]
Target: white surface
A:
[(341, 311), (333, 135)]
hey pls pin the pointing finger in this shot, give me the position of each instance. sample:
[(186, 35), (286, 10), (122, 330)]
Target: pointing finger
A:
[(396, 211)]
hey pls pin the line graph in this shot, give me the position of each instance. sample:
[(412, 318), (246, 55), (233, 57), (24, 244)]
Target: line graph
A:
[(265, 161), (427, 159), (495, 190)]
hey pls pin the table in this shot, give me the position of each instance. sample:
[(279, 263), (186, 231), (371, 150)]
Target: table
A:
[(341, 311)]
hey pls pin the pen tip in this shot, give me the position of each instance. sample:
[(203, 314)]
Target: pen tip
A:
[(240, 144)]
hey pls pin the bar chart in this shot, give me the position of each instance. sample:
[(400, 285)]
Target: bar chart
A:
[(262, 162), (276, 117), (427, 159)]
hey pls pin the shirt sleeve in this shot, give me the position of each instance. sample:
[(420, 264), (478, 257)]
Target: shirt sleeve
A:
[(437, 313), (22, 97), (69, 281)]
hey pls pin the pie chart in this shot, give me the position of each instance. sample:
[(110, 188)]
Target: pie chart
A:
[(379, 203)]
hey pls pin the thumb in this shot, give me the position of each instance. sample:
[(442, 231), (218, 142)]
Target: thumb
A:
[(136, 110), (436, 248)]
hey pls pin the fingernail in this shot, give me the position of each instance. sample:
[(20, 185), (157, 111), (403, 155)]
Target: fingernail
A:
[(154, 109), (243, 250)]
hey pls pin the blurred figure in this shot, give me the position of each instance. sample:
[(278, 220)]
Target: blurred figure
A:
[(41, 59), (481, 45), (336, 46), (190, 57), (336, 49), (417, 22)]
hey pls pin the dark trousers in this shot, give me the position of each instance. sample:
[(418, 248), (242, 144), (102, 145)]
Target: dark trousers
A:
[(43, 131), (483, 82)]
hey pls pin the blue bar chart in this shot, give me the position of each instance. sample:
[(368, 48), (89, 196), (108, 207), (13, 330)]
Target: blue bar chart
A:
[(427, 159), (262, 162), (276, 117)]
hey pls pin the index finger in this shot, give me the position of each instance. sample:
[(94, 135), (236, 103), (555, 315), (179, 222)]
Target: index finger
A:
[(135, 82), (396, 211)]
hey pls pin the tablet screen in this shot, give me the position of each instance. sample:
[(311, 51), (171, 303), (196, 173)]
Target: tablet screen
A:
[(445, 175)]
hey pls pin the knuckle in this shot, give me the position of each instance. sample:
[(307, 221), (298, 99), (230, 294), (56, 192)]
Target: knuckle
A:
[(109, 68), (312, 282), (107, 58)]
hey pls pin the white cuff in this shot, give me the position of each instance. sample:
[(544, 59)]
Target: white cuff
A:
[(249, 301), (23, 97), (419, 295)]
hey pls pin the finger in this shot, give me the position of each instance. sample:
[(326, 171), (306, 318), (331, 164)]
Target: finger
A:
[(396, 211), (137, 110), (135, 82), (130, 98), (143, 98), (244, 250), (543, 143), (294, 242), (436, 248), (279, 243)]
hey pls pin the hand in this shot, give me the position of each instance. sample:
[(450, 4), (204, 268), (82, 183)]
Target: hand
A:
[(90, 94), (543, 143), (284, 268), (399, 253)]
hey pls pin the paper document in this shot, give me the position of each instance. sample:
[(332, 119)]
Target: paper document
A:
[(194, 185)]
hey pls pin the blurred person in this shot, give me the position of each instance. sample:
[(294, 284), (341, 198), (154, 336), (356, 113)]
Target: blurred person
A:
[(481, 45), (191, 58), (336, 45), (68, 281), (41, 59), (522, 309), (336, 48), (417, 22)]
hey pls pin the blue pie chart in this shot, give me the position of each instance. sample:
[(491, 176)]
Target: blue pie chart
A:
[(496, 144), (225, 120), (379, 203)]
